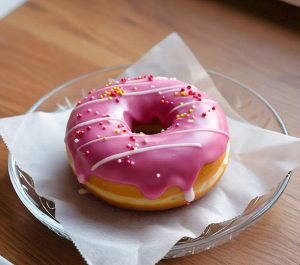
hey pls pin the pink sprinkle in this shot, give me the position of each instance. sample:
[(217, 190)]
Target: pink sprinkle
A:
[(100, 123), (98, 136), (90, 92), (213, 108), (119, 160), (132, 138), (128, 161), (145, 141), (103, 128), (203, 114), (150, 77), (89, 127), (89, 110), (79, 115), (132, 163), (87, 152), (78, 102), (129, 146), (177, 124), (135, 88), (96, 112), (158, 175), (92, 97)]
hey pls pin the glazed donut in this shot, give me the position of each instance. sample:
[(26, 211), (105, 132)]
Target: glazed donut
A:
[(148, 143)]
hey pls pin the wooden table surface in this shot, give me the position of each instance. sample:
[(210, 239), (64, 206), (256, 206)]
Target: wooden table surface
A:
[(45, 43)]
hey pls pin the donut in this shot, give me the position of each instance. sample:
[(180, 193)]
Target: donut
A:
[(147, 143)]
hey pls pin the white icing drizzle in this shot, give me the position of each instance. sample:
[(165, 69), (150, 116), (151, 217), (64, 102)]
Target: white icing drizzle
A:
[(189, 195), (126, 135), (101, 139), (137, 151), (191, 103), (149, 91), (201, 129), (93, 121)]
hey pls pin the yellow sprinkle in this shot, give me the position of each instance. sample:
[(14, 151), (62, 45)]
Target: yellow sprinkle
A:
[(181, 103), (104, 138), (101, 96), (109, 83), (109, 98), (177, 116), (176, 94), (182, 114), (183, 93), (191, 110), (116, 131)]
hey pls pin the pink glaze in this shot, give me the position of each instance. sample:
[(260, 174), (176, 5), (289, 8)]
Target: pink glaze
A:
[(101, 142)]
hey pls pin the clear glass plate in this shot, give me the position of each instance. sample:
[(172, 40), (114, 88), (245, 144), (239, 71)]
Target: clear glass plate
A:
[(246, 101)]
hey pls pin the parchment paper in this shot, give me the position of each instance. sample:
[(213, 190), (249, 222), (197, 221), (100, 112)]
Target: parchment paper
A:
[(259, 160)]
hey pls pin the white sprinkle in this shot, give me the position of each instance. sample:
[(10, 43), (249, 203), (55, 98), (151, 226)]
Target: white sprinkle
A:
[(146, 141), (193, 106), (152, 86), (158, 175), (98, 136), (162, 130), (76, 140), (132, 162), (173, 78), (119, 160), (159, 92)]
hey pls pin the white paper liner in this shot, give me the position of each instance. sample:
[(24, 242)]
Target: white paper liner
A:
[(259, 160)]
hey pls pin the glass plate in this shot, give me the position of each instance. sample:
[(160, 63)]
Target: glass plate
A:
[(246, 101)]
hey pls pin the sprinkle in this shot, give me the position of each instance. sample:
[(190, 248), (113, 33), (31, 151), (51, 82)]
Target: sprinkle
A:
[(124, 131), (117, 100), (109, 98), (129, 146), (189, 87), (181, 103), (167, 101), (159, 92), (183, 93), (182, 89), (190, 110), (135, 88), (152, 86), (190, 92), (158, 175), (104, 138), (103, 127), (162, 130), (177, 124), (78, 115), (98, 136), (150, 77), (136, 144), (146, 141), (132, 162), (92, 98), (101, 96), (193, 106), (177, 116), (79, 133), (132, 138), (87, 152), (78, 102), (116, 131), (213, 108), (123, 80), (88, 128), (119, 160), (176, 94), (203, 114), (76, 140), (100, 123), (128, 161), (162, 101), (96, 113)]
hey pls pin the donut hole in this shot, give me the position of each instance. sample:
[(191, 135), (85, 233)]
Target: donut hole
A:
[(153, 127)]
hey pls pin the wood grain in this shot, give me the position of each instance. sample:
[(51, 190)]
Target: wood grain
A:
[(45, 43)]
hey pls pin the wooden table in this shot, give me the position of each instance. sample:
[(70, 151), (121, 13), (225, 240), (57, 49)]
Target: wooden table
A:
[(45, 43)]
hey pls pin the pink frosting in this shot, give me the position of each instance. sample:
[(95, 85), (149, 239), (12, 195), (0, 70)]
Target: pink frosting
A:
[(101, 142)]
